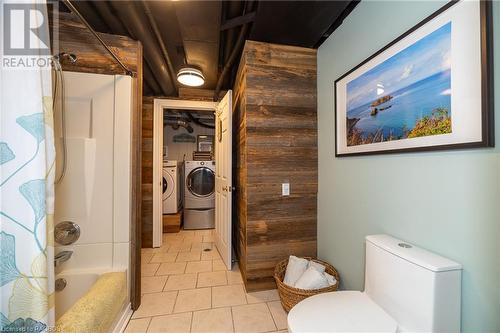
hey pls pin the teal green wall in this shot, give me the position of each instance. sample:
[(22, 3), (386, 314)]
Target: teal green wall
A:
[(447, 202)]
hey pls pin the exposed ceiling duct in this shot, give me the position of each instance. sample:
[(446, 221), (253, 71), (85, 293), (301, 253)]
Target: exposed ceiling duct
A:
[(151, 86), (160, 42), (206, 34), (88, 10), (235, 51), (104, 10), (135, 22), (230, 61), (182, 118), (175, 124), (197, 121), (230, 10)]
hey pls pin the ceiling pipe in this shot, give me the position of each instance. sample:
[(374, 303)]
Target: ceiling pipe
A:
[(238, 21), (198, 121), (161, 43), (232, 9), (176, 123), (104, 10), (87, 9), (118, 27), (234, 54), (150, 79), (132, 19)]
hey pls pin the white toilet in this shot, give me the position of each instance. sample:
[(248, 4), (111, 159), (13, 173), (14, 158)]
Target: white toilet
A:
[(407, 289)]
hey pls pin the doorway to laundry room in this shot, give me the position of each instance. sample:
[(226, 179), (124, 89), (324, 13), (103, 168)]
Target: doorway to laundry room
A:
[(188, 173), (192, 172)]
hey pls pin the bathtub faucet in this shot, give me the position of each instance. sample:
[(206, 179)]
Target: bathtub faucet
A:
[(61, 257)]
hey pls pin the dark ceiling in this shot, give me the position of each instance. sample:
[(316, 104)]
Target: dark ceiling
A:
[(205, 34)]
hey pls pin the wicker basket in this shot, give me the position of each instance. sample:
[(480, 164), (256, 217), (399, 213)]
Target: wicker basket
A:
[(289, 295)]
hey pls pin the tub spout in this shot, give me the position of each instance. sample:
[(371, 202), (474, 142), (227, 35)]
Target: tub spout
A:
[(62, 257)]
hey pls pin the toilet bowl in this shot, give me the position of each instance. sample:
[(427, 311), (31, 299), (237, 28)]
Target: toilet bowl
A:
[(407, 289), (342, 311)]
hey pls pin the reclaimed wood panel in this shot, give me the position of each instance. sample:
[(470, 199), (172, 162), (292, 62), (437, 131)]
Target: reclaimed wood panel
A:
[(281, 117), (172, 222), (75, 38), (147, 171), (239, 196), (276, 55), (275, 131), (262, 259), (136, 184), (281, 229)]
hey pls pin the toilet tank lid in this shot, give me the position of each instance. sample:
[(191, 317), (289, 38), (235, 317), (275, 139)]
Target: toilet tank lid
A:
[(413, 254)]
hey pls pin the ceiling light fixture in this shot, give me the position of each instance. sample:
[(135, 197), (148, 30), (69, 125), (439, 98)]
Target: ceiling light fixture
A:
[(190, 76)]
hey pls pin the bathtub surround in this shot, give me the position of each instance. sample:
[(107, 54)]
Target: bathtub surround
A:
[(95, 193), (75, 38), (446, 202), (27, 157)]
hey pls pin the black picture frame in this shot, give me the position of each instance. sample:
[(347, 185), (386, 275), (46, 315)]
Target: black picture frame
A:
[(487, 86)]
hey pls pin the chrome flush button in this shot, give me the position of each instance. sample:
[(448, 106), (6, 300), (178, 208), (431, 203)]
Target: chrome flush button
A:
[(404, 245)]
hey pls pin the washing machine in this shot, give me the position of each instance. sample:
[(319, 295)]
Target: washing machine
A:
[(199, 194), (172, 198)]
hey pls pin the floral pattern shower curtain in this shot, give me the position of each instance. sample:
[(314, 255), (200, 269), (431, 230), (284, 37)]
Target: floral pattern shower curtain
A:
[(27, 166)]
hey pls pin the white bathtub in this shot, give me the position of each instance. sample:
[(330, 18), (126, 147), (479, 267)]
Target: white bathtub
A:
[(78, 283)]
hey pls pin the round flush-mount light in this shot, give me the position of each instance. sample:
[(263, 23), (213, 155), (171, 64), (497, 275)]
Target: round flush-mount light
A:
[(190, 76)]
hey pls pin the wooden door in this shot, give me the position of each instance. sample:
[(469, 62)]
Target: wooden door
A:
[(223, 174)]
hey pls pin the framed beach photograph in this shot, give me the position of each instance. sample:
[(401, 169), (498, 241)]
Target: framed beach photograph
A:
[(429, 89)]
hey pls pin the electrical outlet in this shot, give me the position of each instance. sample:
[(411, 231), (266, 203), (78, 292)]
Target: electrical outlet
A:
[(285, 189)]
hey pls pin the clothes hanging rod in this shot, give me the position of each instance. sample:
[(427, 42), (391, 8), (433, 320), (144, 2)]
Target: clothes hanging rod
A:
[(84, 21)]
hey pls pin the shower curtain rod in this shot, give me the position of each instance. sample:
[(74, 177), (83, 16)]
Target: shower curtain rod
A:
[(84, 21)]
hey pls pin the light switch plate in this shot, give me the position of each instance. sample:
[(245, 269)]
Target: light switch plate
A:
[(285, 189)]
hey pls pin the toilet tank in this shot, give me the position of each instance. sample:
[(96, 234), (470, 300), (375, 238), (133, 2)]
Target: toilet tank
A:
[(419, 289)]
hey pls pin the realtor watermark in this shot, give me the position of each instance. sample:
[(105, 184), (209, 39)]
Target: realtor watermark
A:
[(28, 38)]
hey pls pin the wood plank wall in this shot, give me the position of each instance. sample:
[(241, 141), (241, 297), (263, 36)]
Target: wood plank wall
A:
[(275, 126), (93, 58), (147, 171)]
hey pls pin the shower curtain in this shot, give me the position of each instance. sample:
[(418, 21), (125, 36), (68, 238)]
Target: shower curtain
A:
[(27, 167)]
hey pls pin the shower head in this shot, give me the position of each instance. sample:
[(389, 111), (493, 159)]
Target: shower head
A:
[(64, 55)]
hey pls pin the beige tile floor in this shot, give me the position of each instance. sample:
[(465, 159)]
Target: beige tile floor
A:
[(187, 289)]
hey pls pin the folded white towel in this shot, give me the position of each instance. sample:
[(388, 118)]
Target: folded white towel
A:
[(312, 279), (296, 267), (330, 278), (320, 268)]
